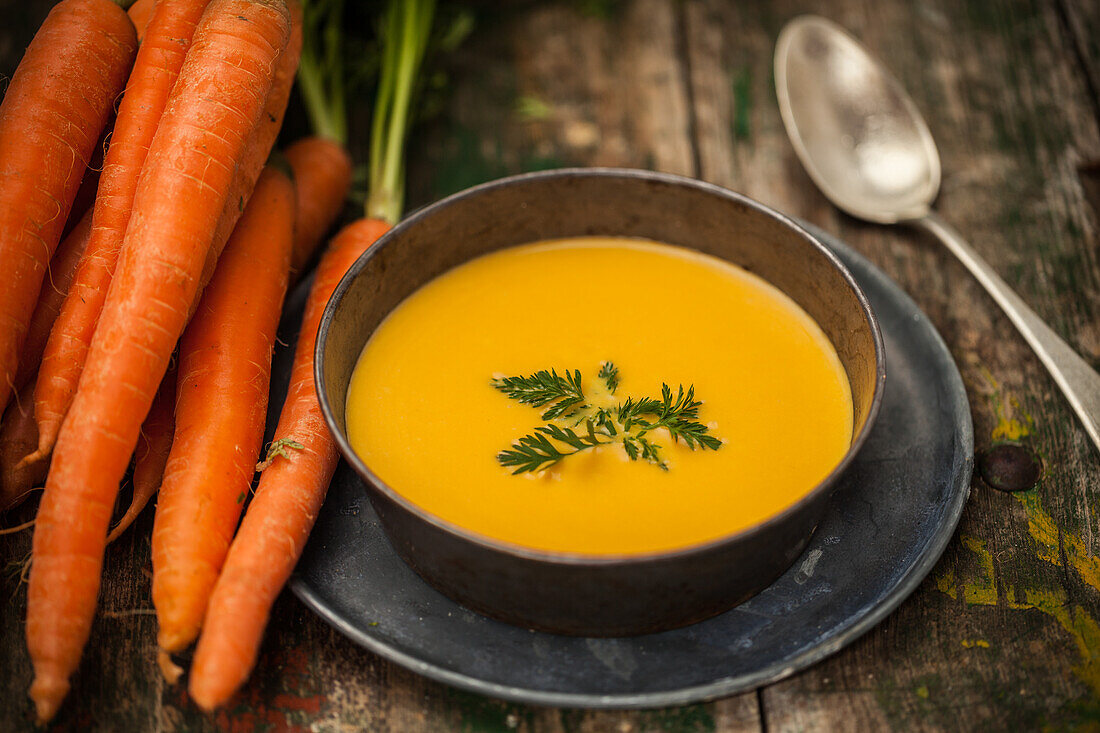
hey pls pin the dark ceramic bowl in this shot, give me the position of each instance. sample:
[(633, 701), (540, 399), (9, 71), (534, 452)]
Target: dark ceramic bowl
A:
[(576, 593)]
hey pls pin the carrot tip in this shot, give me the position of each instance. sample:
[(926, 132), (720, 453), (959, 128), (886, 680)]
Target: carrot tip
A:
[(168, 668), (205, 699), (30, 459), (47, 693), (118, 530)]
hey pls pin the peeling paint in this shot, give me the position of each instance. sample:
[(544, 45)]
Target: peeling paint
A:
[(1013, 422), (946, 583), (1043, 529), (1082, 628), (983, 592), (1052, 546)]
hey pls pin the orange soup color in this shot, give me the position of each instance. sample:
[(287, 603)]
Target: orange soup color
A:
[(422, 413)]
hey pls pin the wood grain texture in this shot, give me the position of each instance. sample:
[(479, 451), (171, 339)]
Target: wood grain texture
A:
[(1005, 632), (1082, 21), (1000, 636)]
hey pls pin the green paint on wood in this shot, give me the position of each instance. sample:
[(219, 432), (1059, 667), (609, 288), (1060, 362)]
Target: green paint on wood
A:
[(946, 583), (532, 108), (1051, 546), (603, 9), (687, 719), (468, 161), (463, 164), (479, 714), (740, 120), (983, 589)]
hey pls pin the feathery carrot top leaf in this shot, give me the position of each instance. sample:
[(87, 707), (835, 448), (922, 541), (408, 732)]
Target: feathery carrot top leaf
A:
[(278, 449), (629, 423)]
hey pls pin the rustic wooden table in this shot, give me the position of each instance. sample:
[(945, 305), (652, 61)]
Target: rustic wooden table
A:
[(1004, 633)]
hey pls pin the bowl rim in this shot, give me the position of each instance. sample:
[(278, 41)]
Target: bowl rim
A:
[(579, 558)]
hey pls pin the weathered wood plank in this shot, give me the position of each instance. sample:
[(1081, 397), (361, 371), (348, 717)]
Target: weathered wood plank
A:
[(1003, 629), (1083, 26), (1004, 634), (555, 86)]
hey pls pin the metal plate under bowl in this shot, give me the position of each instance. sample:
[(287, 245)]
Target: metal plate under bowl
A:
[(891, 517)]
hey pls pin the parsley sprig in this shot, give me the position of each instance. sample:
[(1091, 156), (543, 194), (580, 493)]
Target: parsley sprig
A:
[(628, 423), (564, 394)]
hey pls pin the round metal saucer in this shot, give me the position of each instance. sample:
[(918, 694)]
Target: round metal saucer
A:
[(889, 521)]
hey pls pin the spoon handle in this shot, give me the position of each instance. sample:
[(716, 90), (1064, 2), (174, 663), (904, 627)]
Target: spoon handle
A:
[(1078, 381)]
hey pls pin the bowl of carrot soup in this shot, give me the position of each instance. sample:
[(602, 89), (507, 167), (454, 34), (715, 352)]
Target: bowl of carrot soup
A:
[(599, 401)]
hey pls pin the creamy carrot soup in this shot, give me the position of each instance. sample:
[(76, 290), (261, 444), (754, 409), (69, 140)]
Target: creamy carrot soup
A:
[(520, 396)]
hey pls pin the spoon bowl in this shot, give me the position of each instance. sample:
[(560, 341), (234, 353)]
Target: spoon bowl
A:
[(866, 146), (857, 132)]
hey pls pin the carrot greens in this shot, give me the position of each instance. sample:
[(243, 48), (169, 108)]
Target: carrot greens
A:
[(628, 423), (406, 30), (321, 69)]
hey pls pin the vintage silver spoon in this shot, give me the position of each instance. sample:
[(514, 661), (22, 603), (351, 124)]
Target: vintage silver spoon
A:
[(865, 145)]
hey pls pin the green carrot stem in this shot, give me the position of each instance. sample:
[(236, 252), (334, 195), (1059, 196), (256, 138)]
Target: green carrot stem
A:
[(323, 118), (407, 28), (320, 71), (383, 103)]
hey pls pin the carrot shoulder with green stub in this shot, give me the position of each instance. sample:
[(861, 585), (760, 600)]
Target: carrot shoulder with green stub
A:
[(214, 108), (292, 487)]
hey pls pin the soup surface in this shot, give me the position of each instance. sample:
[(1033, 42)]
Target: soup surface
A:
[(427, 413)]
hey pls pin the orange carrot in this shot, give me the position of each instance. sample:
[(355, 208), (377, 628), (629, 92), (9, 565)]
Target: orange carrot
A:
[(303, 456), (213, 109), (288, 498), (85, 193), (322, 172), (322, 166), (140, 13), (56, 285), (151, 454), (256, 155), (225, 370), (158, 63), (18, 431), (56, 104), (18, 436)]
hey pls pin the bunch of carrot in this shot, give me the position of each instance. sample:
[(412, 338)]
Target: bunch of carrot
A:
[(145, 341)]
